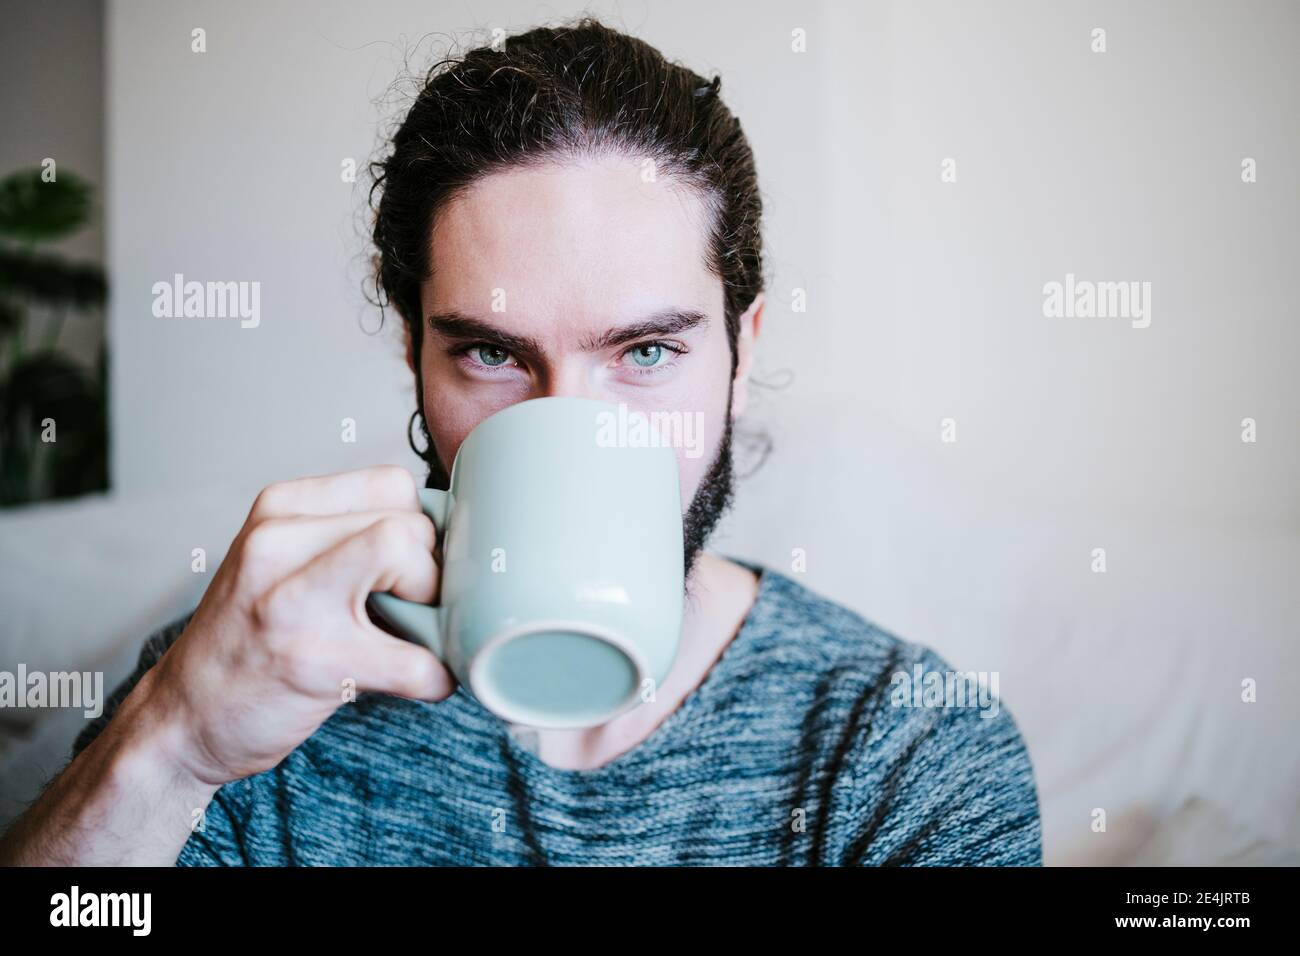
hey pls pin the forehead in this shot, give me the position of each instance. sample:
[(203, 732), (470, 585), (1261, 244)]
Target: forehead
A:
[(576, 242)]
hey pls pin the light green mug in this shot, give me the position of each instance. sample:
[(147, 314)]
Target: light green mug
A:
[(562, 566)]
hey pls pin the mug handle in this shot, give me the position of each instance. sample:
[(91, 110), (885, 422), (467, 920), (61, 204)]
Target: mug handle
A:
[(417, 622)]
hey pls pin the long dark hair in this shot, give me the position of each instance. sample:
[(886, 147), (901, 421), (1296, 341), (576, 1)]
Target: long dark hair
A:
[(547, 94)]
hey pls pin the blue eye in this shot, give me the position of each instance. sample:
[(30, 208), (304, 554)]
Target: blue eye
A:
[(491, 355), (652, 357), (647, 356)]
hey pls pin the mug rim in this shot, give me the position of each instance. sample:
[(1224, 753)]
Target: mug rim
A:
[(490, 699), (511, 411)]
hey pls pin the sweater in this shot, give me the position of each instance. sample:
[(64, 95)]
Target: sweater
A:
[(797, 749)]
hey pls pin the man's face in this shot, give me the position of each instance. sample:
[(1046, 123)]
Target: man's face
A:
[(585, 279)]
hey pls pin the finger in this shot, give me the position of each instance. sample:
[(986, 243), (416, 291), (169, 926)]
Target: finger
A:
[(383, 556), (379, 488), (271, 549), (390, 665)]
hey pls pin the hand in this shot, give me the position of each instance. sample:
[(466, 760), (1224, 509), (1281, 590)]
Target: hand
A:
[(283, 626)]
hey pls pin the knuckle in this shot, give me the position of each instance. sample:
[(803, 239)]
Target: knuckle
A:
[(260, 543), (274, 608), (416, 674), (426, 671), (425, 532), (258, 559), (262, 612), (270, 500), (394, 481), (389, 535)]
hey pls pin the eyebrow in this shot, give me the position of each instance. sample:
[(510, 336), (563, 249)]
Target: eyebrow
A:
[(456, 325)]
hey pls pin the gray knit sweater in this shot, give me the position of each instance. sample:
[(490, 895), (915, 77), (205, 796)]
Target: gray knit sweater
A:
[(795, 750)]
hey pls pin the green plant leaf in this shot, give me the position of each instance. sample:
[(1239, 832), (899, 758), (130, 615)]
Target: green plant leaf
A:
[(52, 280), (36, 211), (11, 316), (48, 385)]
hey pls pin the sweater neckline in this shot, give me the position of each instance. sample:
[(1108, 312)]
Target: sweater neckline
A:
[(671, 726)]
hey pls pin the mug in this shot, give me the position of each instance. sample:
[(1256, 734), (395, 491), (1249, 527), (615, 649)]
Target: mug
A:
[(562, 565)]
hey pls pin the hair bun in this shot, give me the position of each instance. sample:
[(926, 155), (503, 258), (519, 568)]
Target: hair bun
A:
[(711, 89)]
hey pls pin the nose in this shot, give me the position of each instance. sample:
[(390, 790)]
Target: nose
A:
[(568, 379)]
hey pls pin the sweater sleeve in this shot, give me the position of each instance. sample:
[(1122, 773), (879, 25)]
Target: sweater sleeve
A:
[(946, 786), (217, 836)]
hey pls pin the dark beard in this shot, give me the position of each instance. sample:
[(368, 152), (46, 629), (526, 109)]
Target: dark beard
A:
[(711, 501)]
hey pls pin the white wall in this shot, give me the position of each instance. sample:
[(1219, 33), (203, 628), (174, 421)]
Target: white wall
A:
[(925, 298), (925, 302)]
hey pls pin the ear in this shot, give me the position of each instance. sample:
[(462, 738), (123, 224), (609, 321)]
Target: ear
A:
[(410, 346), (750, 323)]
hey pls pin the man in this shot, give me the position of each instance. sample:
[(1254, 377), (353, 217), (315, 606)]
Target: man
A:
[(571, 215)]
